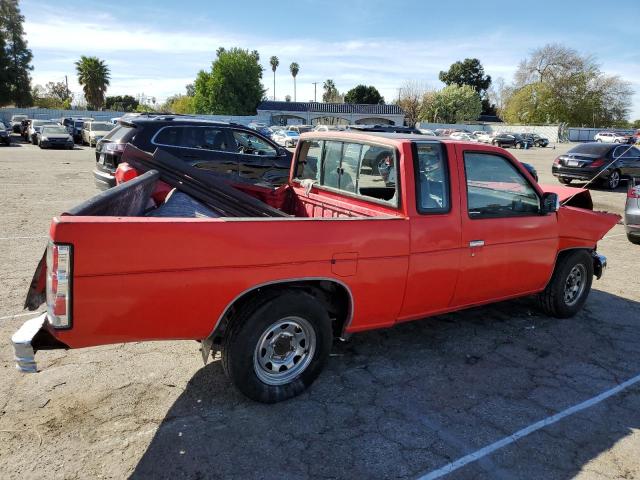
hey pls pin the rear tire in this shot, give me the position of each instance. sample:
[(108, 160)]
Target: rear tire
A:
[(564, 180), (613, 182), (277, 346), (633, 239), (569, 286)]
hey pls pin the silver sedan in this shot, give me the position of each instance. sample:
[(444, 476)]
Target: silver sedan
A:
[(632, 212)]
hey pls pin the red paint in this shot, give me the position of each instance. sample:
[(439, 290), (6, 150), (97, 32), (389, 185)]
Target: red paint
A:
[(172, 278)]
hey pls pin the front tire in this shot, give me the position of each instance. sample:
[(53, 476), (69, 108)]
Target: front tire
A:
[(633, 239), (276, 348), (569, 286)]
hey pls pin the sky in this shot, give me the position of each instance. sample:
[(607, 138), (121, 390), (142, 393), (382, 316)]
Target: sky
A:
[(157, 47)]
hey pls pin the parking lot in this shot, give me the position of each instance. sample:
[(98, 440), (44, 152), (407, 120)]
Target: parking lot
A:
[(405, 402)]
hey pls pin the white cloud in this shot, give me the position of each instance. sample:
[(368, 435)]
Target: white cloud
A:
[(160, 63)]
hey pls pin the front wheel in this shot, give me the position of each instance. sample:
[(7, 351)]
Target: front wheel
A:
[(569, 286), (275, 349)]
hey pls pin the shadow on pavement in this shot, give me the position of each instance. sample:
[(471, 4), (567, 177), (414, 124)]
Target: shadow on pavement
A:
[(404, 401)]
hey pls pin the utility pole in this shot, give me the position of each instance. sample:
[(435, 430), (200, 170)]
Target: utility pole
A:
[(315, 86)]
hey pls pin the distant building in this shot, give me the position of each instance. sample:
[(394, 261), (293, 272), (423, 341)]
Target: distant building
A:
[(316, 113)]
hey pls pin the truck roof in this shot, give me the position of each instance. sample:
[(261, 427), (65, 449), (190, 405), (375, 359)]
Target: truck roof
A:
[(374, 136)]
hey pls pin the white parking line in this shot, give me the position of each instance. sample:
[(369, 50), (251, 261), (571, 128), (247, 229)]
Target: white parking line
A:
[(614, 235), (489, 449), (20, 315), (24, 238)]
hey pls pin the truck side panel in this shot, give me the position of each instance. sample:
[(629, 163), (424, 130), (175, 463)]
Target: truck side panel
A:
[(172, 279)]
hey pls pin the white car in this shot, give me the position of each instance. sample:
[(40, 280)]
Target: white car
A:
[(611, 137), (286, 138), (464, 136), (483, 137), (426, 131)]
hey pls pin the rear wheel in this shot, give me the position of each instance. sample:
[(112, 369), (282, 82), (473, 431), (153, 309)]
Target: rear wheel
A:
[(633, 239), (569, 286), (564, 180), (613, 181), (276, 348)]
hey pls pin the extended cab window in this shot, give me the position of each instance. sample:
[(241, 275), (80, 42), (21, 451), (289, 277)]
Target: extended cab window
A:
[(365, 170), (432, 178), (495, 188)]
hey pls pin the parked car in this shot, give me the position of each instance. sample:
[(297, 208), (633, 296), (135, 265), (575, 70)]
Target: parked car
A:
[(385, 129), (51, 136), (93, 131), (330, 128), (24, 129), (224, 148), (537, 140), (483, 233), (609, 164), (632, 211), (426, 131), (300, 129), (34, 129), (286, 138), (504, 140), (483, 137), (612, 137), (16, 122), (463, 136), (5, 136), (77, 125)]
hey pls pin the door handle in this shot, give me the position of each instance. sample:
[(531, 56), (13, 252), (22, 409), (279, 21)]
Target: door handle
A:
[(476, 243)]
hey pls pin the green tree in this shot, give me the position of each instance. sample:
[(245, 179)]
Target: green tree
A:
[(121, 103), (363, 94), (578, 92), (232, 87), (331, 93), (452, 104), (531, 104), (294, 68), (182, 104), (94, 76), (635, 124), (470, 72), (16, 60), (52, 95), (274, 62)]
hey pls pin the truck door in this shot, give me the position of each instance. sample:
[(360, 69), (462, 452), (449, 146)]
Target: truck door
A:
[(436, 234), (509, 248)]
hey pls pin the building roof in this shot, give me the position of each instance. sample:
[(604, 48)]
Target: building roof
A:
[(318, 107)]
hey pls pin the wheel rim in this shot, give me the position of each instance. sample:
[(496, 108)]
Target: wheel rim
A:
[(614, 179), (575, 284), (284, 350)]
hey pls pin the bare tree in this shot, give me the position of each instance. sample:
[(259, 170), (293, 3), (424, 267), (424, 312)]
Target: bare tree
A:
[(410, 99), (551, 63), (499, 94)]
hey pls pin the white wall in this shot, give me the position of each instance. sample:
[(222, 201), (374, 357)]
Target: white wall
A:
[(549, 131)]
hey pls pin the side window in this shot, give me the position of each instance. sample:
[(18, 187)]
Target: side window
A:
[(378, 173), (432, 178), (349, 166), (251, 144), (168, 136), (495, 188), (309, 156), (331, 164)]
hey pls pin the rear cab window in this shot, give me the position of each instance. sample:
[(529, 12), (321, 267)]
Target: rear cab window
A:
[(364, 170)]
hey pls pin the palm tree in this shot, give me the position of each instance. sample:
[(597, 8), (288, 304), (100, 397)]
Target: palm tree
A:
[(274, 64), (93, 75), (294, 68)]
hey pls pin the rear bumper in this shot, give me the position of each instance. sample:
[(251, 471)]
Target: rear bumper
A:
[(103, 179), (32, 336), (632, 222), (576, 174)]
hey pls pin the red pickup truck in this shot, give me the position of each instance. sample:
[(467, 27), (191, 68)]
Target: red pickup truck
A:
[(372, 229)]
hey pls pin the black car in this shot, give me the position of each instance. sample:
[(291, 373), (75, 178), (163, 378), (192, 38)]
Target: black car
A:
[(228, 149), (536, 140), (515, 140), (610, 162), (5, 136)]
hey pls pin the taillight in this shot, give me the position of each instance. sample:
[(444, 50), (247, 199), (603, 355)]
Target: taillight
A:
[(114, 147), (597, 163), (59, 285), (634, 192), (557, 161)]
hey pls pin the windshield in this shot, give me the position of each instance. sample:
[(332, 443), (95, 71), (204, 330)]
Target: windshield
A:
[(78, 123), (19, 118), (119, 133), (54, 130), (39, 123), (101, 126)]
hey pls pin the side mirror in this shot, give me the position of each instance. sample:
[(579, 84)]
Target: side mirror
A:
[(282, 151), (550, 203)]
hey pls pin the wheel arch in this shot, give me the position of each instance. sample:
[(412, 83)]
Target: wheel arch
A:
[(334, 294)]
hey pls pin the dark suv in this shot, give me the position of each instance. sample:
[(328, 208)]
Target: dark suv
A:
[(228, 149)]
